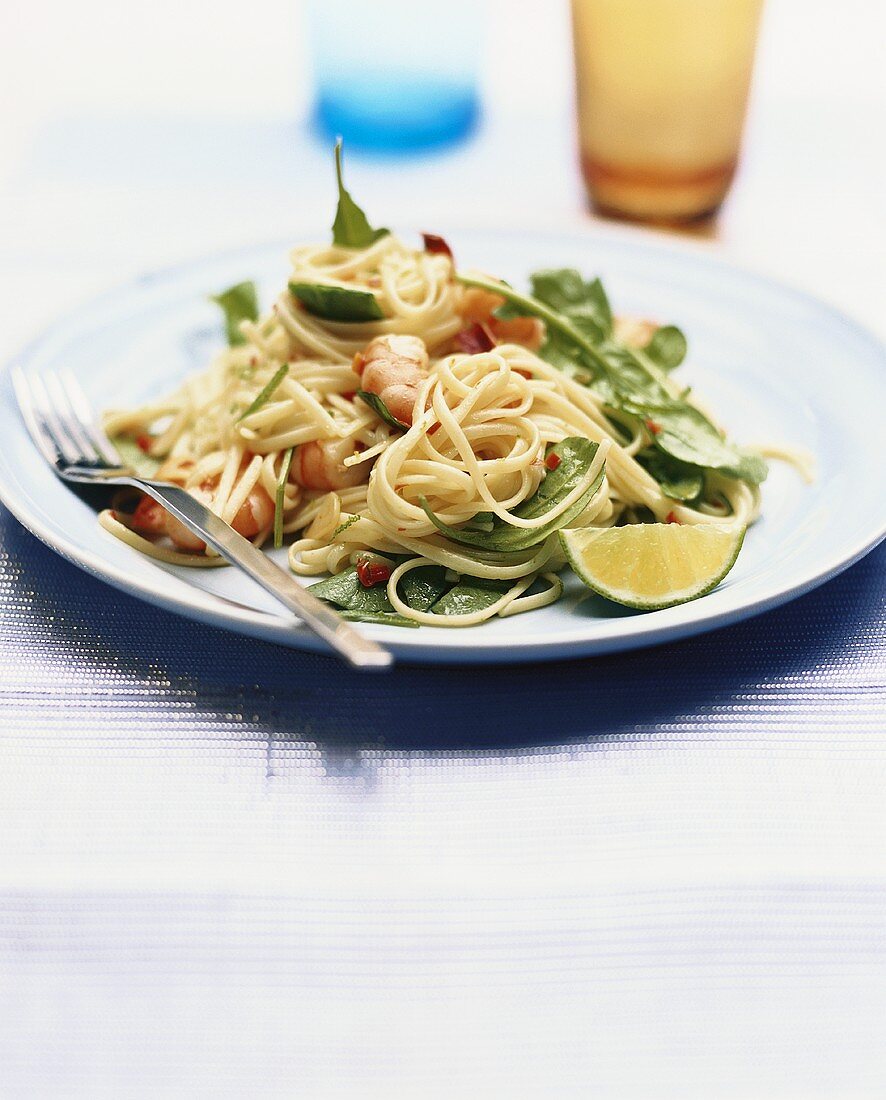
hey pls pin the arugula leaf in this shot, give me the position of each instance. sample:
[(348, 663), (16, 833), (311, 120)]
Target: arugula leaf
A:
[(684, 433), (469, 595), (667, 348), (381, 409), (351, 228), (279, 497), (678, 480), (266, 394), (134, 457), (576, 455), (238, 303), (337, 303)]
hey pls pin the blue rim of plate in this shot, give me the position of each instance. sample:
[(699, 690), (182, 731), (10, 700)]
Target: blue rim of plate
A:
[(450, 646)]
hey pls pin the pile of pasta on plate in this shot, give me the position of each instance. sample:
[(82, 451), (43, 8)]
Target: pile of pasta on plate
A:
[(440, 447)]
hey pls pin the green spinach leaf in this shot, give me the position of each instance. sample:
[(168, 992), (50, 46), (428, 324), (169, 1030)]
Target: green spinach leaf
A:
[(684, 433), (628, 380), (346, 591), (371, 605), (383, 618), (238, 303), (573, 344), (576, 456), (337, 303), (585, 304), (563, 353), (628, 376), (678, 480), (351, 228), (469, 595), (667, 348), (421, 588)]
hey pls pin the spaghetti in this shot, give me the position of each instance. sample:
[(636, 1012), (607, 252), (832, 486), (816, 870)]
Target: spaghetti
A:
[(453, 432)]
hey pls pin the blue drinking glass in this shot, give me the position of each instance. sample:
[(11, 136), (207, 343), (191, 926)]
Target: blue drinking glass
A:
[(396, 76)]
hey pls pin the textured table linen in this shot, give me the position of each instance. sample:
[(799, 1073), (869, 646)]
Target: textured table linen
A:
[(231, 869)]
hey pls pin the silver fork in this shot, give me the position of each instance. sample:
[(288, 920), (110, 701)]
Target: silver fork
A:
[(60, 421)]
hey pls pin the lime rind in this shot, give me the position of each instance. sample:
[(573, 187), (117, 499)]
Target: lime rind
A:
[(676, 582)]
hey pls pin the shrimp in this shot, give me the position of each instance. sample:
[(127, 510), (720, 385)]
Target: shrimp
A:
[(320, 465), (150, 518), (393, 368), (478, 307)]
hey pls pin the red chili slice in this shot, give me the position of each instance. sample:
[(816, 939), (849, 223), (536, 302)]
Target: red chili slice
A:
[(143, 442), (474, 339), (371, 573), (672, 518), (433, 243), (552, 461)]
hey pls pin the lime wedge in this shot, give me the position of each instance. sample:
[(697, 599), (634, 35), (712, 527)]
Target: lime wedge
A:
[(652, 565)]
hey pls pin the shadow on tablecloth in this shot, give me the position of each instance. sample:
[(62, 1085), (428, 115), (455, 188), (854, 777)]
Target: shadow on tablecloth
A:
[(294, 697)]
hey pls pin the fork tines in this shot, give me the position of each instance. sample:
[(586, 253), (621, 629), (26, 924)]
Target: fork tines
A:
[(58, 416)]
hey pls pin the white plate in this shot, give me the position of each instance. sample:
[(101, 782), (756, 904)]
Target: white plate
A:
[(774, 364)]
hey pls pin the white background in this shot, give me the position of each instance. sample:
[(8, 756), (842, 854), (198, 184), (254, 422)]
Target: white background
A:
[(135, 135)]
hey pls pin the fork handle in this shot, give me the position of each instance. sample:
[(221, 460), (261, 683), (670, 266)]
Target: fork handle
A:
[(358, 650)]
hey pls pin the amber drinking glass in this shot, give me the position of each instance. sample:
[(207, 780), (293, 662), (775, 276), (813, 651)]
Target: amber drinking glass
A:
[(662, 89)]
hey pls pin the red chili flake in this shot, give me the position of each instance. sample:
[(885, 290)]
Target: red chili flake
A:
[(433, 243), (350, 395), (652, 426), (371, 572), (552, 461), (672, 518), (143, 442), (474, 339)]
